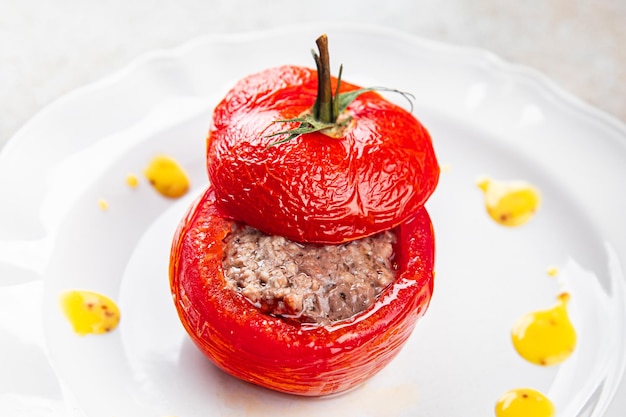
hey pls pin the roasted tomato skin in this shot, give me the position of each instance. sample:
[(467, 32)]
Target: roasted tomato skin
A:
[(316, 188), (280, 354)]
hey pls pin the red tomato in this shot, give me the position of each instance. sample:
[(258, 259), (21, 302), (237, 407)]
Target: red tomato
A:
[(284, 355), (316, 188)]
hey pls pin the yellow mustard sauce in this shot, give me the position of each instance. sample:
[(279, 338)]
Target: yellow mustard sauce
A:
[(167, 177), (552, 271), (545, 337), (103, 204), (509, 203), (132, 180), (89, 312), (524, 402)]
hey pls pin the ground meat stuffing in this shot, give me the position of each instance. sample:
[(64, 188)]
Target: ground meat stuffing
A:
[(312, 283)]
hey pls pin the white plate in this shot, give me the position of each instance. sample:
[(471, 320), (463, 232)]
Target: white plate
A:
[(486, 117)]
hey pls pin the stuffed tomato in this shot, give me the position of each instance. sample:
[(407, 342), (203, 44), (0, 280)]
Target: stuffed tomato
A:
[(307, 261), (285, 354)]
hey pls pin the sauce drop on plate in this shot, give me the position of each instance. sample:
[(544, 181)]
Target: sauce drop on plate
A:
[(509, 203), (167, 177), (545, 337), (552, 271), (132, 181), (89, 312), (524, 402), (103, 204)]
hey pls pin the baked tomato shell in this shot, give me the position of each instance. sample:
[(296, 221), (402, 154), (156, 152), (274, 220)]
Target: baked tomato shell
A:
[(285, 355), (316, 188)]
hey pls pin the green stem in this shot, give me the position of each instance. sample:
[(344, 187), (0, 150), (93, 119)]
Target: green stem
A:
[(324, 116), (324, 108)]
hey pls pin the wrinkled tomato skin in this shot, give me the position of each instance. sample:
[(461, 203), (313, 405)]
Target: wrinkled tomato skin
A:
[(282, 355), (315, 188)]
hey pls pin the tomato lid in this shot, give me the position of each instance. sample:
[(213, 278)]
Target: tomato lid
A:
[(370, 172)]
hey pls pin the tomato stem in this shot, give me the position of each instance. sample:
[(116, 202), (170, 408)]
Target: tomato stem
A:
[(327, 109), (323, 110)]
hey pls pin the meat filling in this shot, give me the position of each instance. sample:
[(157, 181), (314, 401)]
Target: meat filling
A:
[(309, 282)]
